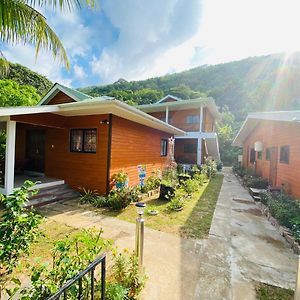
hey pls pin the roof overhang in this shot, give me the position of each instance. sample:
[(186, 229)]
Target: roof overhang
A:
[(94, 107), (182, 105), (254, 118)]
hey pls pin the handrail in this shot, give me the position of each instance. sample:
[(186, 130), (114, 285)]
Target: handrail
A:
[(90, 268)]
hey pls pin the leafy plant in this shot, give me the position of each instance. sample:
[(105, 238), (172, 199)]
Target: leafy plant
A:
[(121, 176), (177, 201), (126, 272), (256, 182), (88, 196), (115, 291), (120, 198), (190, 186), (209, 168), (153, 181), (18, 229), (69, 257)]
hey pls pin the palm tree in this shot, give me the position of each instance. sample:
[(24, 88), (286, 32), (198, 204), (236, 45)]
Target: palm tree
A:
[(21, 22)]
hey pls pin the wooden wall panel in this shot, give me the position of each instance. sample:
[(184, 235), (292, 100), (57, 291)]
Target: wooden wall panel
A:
[(77, 169), (134, 144), (60, 98), (276, 134)]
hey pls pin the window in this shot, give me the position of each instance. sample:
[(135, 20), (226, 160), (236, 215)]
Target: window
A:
[(190, 148), (83, 140), (163, 147), (259, 155), (252, 155), (268, 154), (193, 119), (284, 154)]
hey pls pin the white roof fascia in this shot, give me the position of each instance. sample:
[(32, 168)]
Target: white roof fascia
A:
[(118, 108), (26, 110), (169, 96), (253, 119)]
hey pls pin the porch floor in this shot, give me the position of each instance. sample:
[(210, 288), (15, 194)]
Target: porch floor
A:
[(43, 181)]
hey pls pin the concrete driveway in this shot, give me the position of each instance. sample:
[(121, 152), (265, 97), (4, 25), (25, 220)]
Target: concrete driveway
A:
[(242, 247)]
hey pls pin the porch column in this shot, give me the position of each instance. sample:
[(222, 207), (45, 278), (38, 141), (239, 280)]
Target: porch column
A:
[(199, 151), (10, 157), (167, 114), (201, 118)]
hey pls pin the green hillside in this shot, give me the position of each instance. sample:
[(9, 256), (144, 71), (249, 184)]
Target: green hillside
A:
[(253, 84), (24, 76)]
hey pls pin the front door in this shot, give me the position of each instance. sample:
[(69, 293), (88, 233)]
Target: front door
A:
[(273, 165), (35, 150)]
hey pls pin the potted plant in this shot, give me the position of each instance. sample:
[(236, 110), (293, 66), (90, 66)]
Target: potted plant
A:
[(152, 211), (120, 179)]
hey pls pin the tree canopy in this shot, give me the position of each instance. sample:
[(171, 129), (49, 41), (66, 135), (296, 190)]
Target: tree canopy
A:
[(14, 94)]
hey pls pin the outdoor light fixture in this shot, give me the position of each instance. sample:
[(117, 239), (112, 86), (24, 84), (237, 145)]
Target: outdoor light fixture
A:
[(104, 122), (139, 236), (258, 146)]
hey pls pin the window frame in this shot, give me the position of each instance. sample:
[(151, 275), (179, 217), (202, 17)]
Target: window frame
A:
[(259, 155), (192, 117), (252, 156), (281, 160), (83, 130), (163, 150)]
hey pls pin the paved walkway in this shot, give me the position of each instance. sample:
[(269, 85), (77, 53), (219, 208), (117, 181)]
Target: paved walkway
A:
[(242, 247)]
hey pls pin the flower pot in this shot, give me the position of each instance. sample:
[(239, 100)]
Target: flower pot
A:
[(166, 190), (178, 208), (152, 212)]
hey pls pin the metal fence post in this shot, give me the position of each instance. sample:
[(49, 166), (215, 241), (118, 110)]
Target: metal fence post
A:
[(297, 289)]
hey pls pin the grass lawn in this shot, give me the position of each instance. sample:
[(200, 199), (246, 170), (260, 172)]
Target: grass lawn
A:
[(193, 221), (40, 250), (269, 292)]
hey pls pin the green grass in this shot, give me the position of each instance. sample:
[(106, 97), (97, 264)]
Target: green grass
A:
[(193, 221), (269, 292), (40, 250)]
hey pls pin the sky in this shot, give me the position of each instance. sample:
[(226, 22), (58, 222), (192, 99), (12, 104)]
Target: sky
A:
[(139, 39)]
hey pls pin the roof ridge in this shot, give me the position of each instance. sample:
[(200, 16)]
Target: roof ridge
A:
[(73, 90)]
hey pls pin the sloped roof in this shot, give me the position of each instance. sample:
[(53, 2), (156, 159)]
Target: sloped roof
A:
[(254, 118), (56, 88), (181, 105), (168, 96)]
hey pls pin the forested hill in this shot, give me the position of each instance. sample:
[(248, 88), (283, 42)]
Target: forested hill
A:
[(258, 83), (24, 76)]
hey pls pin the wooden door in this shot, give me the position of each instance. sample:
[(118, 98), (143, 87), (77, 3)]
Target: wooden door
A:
[(273, 165), (35, 150)]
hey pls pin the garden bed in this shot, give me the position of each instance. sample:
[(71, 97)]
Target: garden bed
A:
[(193, 221)]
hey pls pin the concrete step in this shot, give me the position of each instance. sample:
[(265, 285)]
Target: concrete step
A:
[(52, 194)]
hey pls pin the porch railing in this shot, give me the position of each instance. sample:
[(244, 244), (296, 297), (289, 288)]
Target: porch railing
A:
[(62, 293)]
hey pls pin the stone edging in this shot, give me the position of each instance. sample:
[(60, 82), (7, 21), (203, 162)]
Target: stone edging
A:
[(285, 232)]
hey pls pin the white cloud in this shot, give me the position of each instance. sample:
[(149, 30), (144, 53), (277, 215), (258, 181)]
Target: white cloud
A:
[(148, 31), (79, 72)]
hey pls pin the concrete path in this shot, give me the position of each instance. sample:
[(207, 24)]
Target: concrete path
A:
[(242, 247)]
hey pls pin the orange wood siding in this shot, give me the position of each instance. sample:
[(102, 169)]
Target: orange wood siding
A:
[(276, 134), (77, 169), (60, 98), (178, 119), (134, 144)]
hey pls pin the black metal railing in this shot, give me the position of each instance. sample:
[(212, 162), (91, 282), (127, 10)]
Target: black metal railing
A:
[(92, 290)]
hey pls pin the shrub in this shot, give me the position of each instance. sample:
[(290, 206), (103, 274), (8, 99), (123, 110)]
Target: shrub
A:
[(256, 182), (69, 257), (200, 178), (115, 291), (170, 176), (100, 201), (183, 177), (265, 197), (238, 169), (209, 168), (190, 186), (120, 198), (177, 201), (126, 273), (18, 227), (152, 182)]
